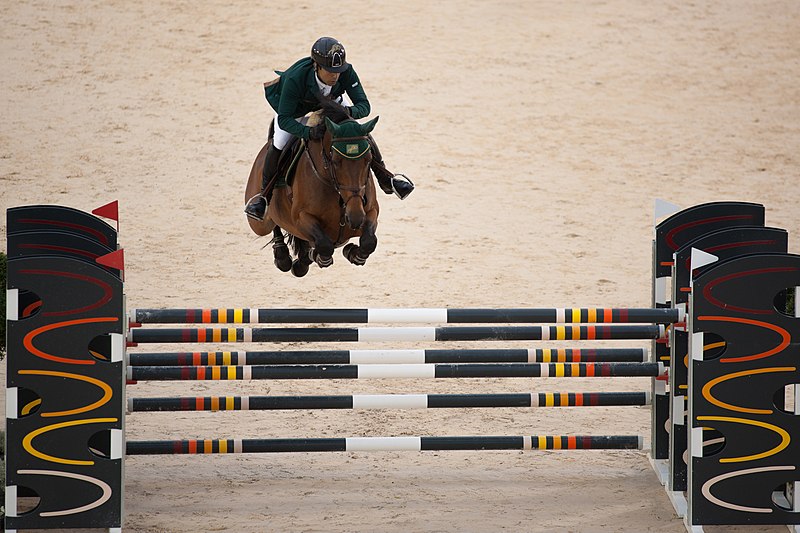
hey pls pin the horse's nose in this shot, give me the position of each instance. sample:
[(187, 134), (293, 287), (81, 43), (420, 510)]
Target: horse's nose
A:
[(354, 216), (354, 222)]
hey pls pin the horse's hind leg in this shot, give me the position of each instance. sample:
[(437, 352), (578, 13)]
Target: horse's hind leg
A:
[(358, 254), (283, 259), (300, 265)]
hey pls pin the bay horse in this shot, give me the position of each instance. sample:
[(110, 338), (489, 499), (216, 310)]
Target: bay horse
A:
[(329, 199)]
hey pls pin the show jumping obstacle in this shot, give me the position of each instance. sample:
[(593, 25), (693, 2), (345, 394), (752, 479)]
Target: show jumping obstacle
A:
[(65, 293), (438, 371), (385, 444), (394, 334), (384, 316), (388, 401), (356, 357)]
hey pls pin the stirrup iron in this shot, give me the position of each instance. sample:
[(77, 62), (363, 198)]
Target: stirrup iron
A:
[(249, 208), (402, 186)]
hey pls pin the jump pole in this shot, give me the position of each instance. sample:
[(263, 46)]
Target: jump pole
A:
[(489, 370), (356, 357), (395, 334), (370, 444), (427, 315), (389, 401)]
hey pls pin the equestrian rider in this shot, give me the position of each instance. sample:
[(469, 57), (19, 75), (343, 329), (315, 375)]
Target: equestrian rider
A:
[(293, 96)]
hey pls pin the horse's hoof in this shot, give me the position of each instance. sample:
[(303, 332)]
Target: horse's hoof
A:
[(323, 262), (284, 264), (351, 253), (299, 269), (282, 258)]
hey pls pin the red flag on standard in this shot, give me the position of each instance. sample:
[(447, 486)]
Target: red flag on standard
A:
[(114, 260), (110, 210)]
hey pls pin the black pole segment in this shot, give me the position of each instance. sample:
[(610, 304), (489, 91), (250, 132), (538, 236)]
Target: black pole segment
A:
[(472, 443), (313, 316), (444, 401)]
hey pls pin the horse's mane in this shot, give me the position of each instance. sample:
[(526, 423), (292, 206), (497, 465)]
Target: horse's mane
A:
[(332, 109)]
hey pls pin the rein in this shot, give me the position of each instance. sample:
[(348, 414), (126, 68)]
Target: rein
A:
[(333, 180)]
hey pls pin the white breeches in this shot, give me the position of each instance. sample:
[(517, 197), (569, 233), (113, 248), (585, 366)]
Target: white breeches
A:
[(281, 138)]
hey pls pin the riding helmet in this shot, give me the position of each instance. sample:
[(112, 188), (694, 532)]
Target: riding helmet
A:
[(329, 53)]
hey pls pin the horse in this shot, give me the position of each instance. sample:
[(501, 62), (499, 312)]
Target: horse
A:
[(330, 198)]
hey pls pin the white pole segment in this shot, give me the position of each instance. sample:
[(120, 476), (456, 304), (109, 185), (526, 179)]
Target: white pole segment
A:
[(371, 357), (396, 371), (396, 334), (370, 444), (390, 401), (406, 315)]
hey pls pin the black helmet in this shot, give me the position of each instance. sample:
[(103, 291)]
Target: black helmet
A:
[(329, 53)]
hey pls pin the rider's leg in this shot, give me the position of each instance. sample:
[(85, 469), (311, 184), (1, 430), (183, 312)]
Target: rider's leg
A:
[(389, 183), (257, 206)]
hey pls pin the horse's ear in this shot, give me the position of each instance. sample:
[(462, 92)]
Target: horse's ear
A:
[(332, 126), (369, 126)]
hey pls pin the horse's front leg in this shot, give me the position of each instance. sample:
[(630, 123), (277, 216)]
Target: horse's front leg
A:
[(322, 253), (358, 254), (321, 245)]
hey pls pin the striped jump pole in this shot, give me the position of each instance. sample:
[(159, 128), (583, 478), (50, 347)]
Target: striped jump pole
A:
[(396, 334), (426, 315), (372, 444), (488, 370), (359, 357), (389, 401)]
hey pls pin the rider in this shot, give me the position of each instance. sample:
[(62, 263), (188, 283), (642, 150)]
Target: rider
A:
[(293, 96)]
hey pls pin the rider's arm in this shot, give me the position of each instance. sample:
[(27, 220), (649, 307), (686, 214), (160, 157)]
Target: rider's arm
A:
[(354, 90), (291, 94)]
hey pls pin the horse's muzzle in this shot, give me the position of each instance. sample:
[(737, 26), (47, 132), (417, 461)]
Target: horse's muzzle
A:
[(354, 214)]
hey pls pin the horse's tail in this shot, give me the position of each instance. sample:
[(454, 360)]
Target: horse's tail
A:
[(276, 239), (293, 242)]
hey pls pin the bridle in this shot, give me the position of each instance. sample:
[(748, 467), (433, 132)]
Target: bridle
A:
[(333, 181)]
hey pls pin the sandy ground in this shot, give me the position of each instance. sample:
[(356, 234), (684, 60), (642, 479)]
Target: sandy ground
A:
[(539, 134)]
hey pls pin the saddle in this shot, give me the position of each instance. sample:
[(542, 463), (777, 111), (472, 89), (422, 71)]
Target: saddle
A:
[(287, 161)]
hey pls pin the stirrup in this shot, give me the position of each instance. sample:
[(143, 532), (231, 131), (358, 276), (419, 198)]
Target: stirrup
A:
[(250, 208), (402, 186)]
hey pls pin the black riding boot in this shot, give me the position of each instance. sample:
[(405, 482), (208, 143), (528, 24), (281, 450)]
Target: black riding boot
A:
[(389, 183), (257, 205)]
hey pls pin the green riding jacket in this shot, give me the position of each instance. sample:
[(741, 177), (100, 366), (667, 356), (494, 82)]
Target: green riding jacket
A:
[(291, 95)]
